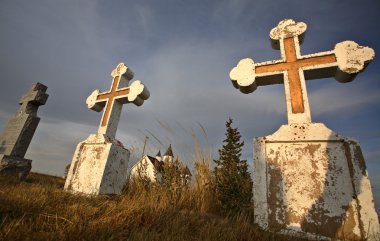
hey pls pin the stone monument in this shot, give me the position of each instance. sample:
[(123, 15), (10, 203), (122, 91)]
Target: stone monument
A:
[(308, 179), (99, 165), (19, 131)]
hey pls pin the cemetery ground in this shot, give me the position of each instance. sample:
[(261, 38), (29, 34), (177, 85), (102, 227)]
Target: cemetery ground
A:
[(39, 209)]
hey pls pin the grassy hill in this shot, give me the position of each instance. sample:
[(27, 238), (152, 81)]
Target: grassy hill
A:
[(39, 209)]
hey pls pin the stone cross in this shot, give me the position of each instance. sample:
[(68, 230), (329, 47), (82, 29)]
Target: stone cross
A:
[(19, 131), (100, 163), (307, 179), (114, 99), (18, 134), (343, 63), (35, 97)]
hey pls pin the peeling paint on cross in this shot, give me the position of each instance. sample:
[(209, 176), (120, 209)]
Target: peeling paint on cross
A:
[(114, 99), (344, 63)]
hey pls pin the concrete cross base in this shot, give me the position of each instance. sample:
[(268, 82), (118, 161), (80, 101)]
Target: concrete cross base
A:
[(16, 166), (99, 166), (310, 180)]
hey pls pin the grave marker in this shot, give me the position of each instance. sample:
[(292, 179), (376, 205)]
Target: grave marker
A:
[(19, 131), (99, 165), (308, 179)]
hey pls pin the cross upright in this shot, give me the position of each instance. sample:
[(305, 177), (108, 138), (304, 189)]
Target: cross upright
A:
[(113, 100), (343, 63)]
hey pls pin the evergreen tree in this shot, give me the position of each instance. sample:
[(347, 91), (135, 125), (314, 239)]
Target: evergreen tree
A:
[(233, 182)]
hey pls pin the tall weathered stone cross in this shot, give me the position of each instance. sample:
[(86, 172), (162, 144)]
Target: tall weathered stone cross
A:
[(114, 99), (19, 131), (343, 63)]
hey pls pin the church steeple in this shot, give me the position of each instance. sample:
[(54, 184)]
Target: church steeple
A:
[(169, 151), (158, 156), (168, 156)]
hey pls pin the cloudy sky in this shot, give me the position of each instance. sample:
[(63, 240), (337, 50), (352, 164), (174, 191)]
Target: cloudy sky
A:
[(183, 52)]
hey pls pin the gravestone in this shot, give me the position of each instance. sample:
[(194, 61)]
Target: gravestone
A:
[(19, 131), (307, 179), (99, 165)]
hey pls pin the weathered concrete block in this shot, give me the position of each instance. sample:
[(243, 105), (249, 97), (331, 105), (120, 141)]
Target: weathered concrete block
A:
[(309, 180), (13, 165), (99, 166)]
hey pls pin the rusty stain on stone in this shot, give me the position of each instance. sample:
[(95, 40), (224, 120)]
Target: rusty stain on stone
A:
[(332, 226), (358, 157), (312, 148), (98, 150), (275, 205), (345, 231)]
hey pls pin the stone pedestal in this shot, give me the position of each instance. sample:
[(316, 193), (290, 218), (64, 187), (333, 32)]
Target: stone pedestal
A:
[(13, 165), (99, 166), (310, 180)]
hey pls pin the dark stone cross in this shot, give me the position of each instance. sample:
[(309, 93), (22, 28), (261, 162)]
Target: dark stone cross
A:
[(19, 131)]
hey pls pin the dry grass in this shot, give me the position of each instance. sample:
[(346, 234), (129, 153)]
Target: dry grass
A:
[(39, 209)]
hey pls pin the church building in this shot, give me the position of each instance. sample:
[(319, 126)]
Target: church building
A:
[(152, 167)]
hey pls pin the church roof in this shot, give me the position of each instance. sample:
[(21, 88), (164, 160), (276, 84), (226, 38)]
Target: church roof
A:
[(159, 153), (169, 151), (185, 170), (156, 163)]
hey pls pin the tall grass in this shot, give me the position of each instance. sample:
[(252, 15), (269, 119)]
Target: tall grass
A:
[(39, 209)]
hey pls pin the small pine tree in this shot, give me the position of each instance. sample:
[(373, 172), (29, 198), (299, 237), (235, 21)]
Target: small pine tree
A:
[(233, 184)]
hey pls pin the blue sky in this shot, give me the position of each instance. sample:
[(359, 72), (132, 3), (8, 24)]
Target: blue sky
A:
[(183, 52)]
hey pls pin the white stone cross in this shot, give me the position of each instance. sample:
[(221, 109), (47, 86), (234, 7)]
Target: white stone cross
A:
[(344, 63), (114, 99)]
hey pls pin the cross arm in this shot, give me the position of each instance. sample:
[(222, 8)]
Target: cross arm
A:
[(352, 59), (344, 63), (138, 92), (36, 95), (93, 103), (245, 77), (347, 60)]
